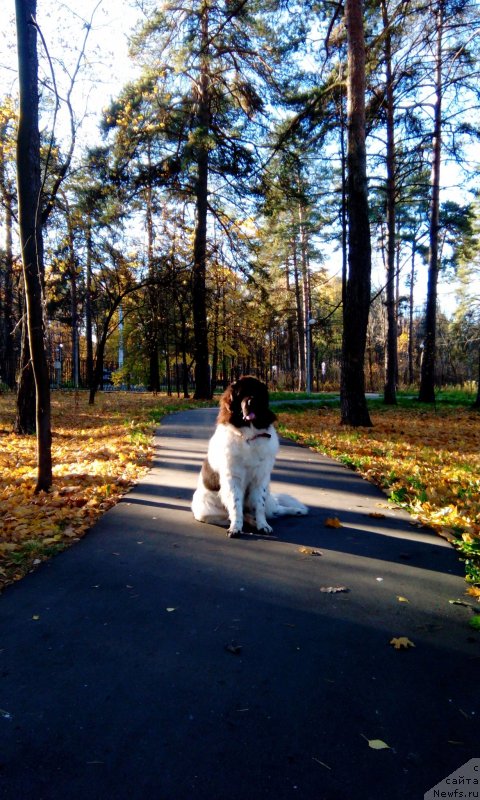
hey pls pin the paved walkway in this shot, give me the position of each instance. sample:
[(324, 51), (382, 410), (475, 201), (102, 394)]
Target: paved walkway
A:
[(159, 660)]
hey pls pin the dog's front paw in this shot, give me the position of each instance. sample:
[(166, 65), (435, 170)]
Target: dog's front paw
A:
[(234, 531), (265, 528)]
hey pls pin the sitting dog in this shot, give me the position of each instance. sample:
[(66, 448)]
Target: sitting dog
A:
[(235, 477)]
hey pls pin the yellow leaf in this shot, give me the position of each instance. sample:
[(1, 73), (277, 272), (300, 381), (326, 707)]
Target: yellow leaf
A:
[(378, 744), (402, 599), (307, 551), (402, 642), (333, 522)]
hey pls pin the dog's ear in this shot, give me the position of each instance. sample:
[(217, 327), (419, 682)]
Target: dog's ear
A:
[(226, 403)]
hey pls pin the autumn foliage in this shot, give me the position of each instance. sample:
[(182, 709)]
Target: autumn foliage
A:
[(98, 453)]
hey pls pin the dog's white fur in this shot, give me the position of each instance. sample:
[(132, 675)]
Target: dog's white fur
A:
[(243, 458)]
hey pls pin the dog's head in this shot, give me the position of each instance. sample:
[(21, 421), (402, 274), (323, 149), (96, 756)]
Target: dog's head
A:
[(245, 402)]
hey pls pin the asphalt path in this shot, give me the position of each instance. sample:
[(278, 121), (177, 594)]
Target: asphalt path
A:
[(159, 660)]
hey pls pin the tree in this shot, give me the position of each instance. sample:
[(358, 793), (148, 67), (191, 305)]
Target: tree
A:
[(8, 119), (427, 382), (211, 65), (389, 394), (452, 34), (55, 165), (354, 409), (29, 209)]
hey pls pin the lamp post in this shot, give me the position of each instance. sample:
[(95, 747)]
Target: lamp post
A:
[(58, 366)]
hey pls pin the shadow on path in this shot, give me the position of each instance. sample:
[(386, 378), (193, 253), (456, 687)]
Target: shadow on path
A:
[(160, 660)]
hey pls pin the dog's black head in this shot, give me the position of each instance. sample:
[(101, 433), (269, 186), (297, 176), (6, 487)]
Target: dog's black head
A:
[(244, 403)]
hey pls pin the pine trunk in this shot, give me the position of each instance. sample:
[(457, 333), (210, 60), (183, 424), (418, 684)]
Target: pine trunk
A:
[(88, 304), (427, 380), (390, 389), (356, 307), (199, 293), (8, 319)]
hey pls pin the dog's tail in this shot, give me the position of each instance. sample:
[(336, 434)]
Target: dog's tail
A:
[(280, 505)]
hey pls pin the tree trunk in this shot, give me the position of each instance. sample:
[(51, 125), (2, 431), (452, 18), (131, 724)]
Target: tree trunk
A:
[(307, 300), (29, 188), (343, 208), (98, 370), (356, 307), (74, 303), (25, 423), (152, 332), (97, 378), (476, 404), (8, 320), (411, 376), (199, 289), (300, 320), (427, 380), (216, 332), (88, 304), (390, 389)]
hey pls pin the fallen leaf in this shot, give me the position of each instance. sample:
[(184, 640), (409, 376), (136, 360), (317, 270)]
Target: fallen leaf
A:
[(170, 609), (474, 591), (333, 522), (36, 616), (376, 515), (307, 551), (378, 744), (401, 642), (402, 599)]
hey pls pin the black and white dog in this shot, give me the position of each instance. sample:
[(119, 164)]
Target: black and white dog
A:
[(235, 478)]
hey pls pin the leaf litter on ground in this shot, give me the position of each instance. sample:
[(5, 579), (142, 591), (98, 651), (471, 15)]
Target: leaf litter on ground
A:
[(427, 462), (98, 453)]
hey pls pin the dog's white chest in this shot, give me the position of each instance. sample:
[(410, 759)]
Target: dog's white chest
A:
[(243, 448)]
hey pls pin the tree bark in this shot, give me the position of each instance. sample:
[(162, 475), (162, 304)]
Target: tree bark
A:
[(307, 299), (476, 403), (152, 290), (29, 188), (427, 380), (390, 389), (410, 314), (8, 319), (300, 320), (356, 307), (88, 302), (25, 418), (199, 288)]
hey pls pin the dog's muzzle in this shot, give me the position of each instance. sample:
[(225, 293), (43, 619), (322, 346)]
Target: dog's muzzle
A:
[(248, 414)]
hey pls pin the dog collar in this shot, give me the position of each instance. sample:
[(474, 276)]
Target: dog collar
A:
[(259, 436)]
